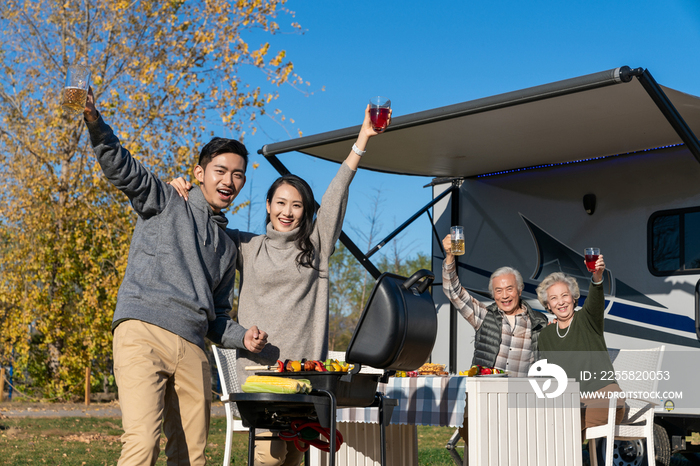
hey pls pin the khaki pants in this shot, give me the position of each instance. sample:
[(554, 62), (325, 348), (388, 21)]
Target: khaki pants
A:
[(162, 380), (594, 411), (276, 452)]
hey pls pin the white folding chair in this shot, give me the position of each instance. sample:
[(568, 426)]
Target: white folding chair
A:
[(639, 421), (339, 355), (226, 365)]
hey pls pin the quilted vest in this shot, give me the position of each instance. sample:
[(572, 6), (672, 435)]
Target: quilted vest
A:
[(487, 342)]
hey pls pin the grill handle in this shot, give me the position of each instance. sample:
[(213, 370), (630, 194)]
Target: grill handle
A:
[(422, 273)]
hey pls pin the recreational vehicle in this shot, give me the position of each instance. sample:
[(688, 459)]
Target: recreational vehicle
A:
[(609, 160)]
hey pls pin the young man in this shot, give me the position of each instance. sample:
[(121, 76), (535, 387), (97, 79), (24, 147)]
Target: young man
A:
[(177, 290)]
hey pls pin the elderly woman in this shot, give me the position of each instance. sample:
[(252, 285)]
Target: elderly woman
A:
[(576, 342)]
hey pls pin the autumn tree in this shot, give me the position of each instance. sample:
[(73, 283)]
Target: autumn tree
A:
[(404, 266), (163, 72), (346, 296)]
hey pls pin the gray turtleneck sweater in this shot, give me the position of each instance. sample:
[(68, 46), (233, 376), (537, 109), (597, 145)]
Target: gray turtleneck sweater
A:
[(181, 266), (287, 301)]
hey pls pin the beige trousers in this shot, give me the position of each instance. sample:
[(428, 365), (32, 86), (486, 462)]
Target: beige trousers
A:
[(162, 380), (276, 452)]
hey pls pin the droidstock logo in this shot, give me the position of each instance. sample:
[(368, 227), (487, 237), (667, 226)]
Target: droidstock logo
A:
[(543, 369)]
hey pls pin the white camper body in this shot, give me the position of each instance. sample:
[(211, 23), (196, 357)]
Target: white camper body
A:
[(535, 221)]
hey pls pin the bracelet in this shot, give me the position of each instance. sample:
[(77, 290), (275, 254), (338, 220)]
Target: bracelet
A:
[(598, 283), (357, 150)]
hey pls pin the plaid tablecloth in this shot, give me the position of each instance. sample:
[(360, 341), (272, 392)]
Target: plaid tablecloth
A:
[(428, 401)]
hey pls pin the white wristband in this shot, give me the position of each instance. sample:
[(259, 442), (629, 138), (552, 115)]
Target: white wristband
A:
[(357, 150)]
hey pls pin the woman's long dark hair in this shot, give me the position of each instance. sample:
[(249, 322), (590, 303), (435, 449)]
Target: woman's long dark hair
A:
[(306, 223)]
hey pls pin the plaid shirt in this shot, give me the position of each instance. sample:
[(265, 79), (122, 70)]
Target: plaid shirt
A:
[(515, 354)]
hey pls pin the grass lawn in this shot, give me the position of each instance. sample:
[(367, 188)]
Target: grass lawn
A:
[(88, 441), (431, 446), (95, 441)]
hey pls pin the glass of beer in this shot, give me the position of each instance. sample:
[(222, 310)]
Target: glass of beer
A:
[(76, 89), (457, 238), (591, 256), (379, 112)]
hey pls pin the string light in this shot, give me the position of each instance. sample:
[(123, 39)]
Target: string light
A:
[(548, 165)]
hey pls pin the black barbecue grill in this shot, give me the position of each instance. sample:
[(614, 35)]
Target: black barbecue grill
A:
[(396, 331), (398, 326)]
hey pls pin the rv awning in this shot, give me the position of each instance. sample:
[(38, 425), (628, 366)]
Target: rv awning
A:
[(580, 118)]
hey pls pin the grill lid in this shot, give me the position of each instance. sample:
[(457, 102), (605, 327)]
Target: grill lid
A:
[(398, 326)]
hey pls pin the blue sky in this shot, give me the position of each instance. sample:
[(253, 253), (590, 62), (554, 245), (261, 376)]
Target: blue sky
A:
[(425, 55)]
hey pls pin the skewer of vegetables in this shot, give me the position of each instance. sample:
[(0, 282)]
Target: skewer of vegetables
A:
[(305, 365)]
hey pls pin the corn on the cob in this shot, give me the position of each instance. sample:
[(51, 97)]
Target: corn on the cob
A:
[(270, 384), (306, 384)]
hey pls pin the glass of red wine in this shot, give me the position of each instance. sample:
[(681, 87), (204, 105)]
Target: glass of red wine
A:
[(379, 108), (591, 256)]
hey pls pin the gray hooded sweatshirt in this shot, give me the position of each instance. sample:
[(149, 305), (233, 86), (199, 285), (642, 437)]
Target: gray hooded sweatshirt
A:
[(182, 264)]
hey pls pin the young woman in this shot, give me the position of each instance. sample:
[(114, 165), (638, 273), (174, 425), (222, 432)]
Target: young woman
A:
[(284, 284), (284, 273)]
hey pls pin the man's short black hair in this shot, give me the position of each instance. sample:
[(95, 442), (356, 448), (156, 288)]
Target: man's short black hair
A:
[(218, 146)]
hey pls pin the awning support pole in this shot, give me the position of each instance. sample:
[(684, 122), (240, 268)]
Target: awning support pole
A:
[(669, 110), (436, 234), (361, 258), (408, 222), (349, 244), (453, 310)]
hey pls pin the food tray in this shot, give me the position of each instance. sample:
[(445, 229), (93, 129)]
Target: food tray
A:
[(357, 390)]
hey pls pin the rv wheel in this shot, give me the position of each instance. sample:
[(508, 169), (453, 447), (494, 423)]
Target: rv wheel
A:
[(633, 452), (662, 446), (625, 452)]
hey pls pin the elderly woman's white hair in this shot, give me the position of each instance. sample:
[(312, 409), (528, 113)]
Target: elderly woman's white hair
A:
[(554, 278), (507, 271)]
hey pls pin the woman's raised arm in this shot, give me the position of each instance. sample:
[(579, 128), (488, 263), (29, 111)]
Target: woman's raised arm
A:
[(366, 132)]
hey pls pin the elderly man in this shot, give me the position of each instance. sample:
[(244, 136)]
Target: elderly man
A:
[(507, 330)]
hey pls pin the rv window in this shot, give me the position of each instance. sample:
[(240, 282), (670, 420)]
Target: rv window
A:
[(666, 252), (691, 239), (674, 247)]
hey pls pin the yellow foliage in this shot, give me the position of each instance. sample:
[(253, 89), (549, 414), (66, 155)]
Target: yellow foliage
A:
[(158, 69)]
